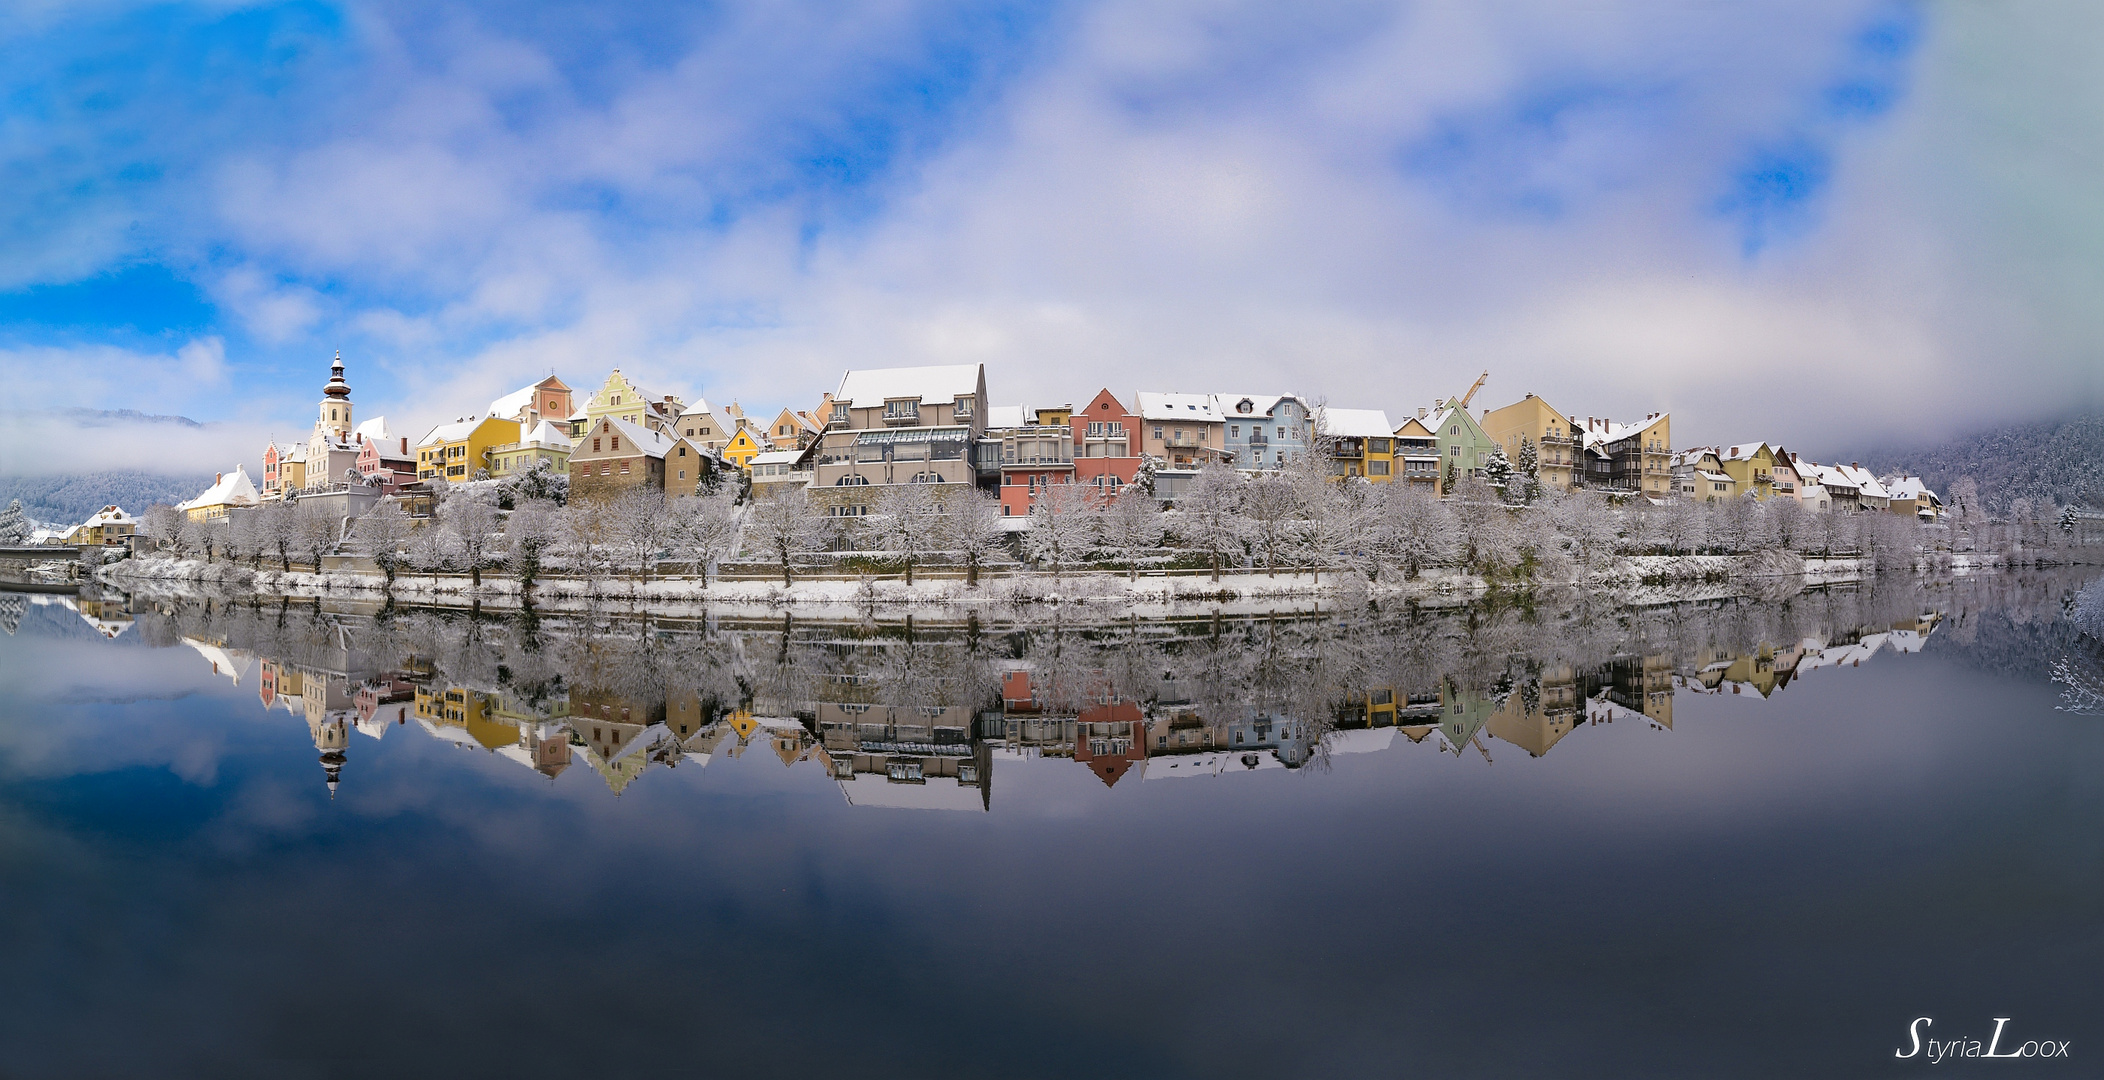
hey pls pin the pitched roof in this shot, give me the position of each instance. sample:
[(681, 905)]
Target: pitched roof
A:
[(1187, 407), (545, 434), (232, 489), (872, 387), (108, 515), (455, 431), (1608, 432), (1744, 451), (1356, 423), (1007, 416), (1906, 487), (512, 404), (651, 443), (373, 430), (779, 457), (1229, 405), (1863, 481)]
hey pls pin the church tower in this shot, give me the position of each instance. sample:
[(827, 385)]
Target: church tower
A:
[(334, 418)]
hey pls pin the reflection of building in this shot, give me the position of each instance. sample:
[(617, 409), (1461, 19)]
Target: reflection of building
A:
[(1538, 714), (919, 757)]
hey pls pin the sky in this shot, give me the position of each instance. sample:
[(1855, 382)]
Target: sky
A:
[(1831, 224)]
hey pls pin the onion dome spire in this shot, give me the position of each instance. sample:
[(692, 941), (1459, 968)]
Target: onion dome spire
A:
[(337, 388)]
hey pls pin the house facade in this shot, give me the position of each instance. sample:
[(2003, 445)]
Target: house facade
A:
[(900, 426), (1184, 431), (615, 455), (390, 461), (1908, 496), (1417, 456), (780, 470), (229, 491), (621, 399), (109, 525), (1554, 437), (1464, 447), (791, 430), (1034, 456), (690, 467), (1105, 436), (1698, 474), (549, 399), (709, 427), (1264, 431), (1635, 458), (1361, 443), (545, 442), (459, 451), (1751, 467)]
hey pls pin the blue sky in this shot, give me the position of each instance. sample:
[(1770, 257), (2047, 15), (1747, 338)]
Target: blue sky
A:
[(1809, 222)]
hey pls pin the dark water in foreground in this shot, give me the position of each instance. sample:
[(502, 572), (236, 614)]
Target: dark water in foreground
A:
[(1749, 839)]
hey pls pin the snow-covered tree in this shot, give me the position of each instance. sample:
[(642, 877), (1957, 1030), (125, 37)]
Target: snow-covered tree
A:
[(1590, 525), (784, 525), (704, 528), (973, 527), (1786, 522), (277, 526), (635, 525), (1497, 473), (160, 523), (1143, 476), (584, 536), (379, 535), (196, 539), (14, 524), (1413, 527), (1063, 521), (1680, 526), (905, 522), (1481, 524), (1269, 504), (532, 529), (1132, 527), (1208, 514), (314, 533), (1525, 483)]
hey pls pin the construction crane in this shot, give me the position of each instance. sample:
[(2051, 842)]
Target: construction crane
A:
[(1480, 380)]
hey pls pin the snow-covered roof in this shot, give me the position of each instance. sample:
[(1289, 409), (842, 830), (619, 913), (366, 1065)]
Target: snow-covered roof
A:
[(234, 665), (545, 434), (701, 407), (1692, 455), (942, 385), (108, 515), (453, 432), (1186, 407), (514, 403), (1356, 423), (1906, 487), (651, 443), (1210, 763), (1862, 480), (1607, 432), (1359, 740), (1743, 451), (1718, 477), (373, 430), (779, 457), (1230, 405), (1006, 416), (232, 489)]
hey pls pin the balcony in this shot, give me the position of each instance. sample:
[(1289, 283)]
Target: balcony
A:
[(904, 412)]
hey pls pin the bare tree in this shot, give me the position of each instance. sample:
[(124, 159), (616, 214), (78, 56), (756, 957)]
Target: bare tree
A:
[(1063, 519), (160, 524), (430, 550), (1786, 522), (529, 532), (635, 523), (315, 534), (1132, 527), (1412, 526), (379, 535), (1269, 504), (471, 533), (584, 531), (972, 527), (1681, 526), (196, 538), (1588, 523), (784, 525), (277, 525), (240, 541), (1209, 513), (905, 522), (703, 528)]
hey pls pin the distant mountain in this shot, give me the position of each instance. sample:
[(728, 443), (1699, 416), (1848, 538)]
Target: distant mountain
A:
[(71, 499), (112, 417), (2047, 461)]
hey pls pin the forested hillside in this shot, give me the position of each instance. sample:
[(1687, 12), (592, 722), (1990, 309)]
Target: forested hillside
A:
[(70, 499), (2049, 461)]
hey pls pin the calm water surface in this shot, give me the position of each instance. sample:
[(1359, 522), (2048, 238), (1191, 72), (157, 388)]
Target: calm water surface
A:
[(1744, 838)]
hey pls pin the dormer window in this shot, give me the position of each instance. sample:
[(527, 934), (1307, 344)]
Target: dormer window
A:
[(1245, 405), (964, 406), (902, 409)]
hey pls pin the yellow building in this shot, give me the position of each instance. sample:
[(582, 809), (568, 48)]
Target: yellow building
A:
[(456, 452), (1751, 467), (1698, 474), (791, 430), (109, 525), (742, 448), (621, 399), (546, 442), (1361, 442), (1530, 420)]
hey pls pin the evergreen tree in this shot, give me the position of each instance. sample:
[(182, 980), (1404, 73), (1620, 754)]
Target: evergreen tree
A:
[(1497, 470), (1446, 485), (14, 524), (1528, 472)]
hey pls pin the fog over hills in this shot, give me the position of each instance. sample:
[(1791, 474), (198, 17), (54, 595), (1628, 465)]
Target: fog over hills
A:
[(2046, 461), (120, 456)]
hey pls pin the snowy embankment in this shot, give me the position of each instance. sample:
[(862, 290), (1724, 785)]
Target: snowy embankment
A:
[(1638, 579)]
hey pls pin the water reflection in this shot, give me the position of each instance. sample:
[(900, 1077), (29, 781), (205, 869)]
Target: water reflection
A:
[(917, 716)]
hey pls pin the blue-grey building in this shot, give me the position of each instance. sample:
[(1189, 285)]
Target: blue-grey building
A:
[(1264, 431)]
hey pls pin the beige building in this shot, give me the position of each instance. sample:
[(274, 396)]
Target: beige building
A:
[(1183, 431), (1554, 437), (900, 426)]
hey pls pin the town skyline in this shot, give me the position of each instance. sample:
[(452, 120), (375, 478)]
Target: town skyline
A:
[(1703, 212)]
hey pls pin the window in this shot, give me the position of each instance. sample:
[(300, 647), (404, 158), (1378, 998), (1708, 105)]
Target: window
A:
[(964, 406), (1455, 430), (624, 468), (617, 442), (1453, 451), (840, 411), (1282, 433), (1376, 468), (595, 446), (1157, 431), (606, 468), (1234, 431)]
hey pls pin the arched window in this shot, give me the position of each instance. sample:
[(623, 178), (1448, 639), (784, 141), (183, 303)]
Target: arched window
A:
[(852, 481)]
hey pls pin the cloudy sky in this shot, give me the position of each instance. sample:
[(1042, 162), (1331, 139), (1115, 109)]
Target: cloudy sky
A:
[(1831, 223)]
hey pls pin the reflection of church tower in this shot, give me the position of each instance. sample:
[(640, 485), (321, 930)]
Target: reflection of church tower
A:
[(332, 736), (334, 417)]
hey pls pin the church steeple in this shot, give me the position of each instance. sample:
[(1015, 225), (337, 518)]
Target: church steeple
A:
[(337, 388)]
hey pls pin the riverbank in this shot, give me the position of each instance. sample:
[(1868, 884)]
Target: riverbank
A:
[(1635, 580)]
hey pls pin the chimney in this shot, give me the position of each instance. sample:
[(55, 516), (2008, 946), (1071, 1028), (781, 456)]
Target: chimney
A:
[(217, 477), (1855, 464), (405, 446), (1420, 414)]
